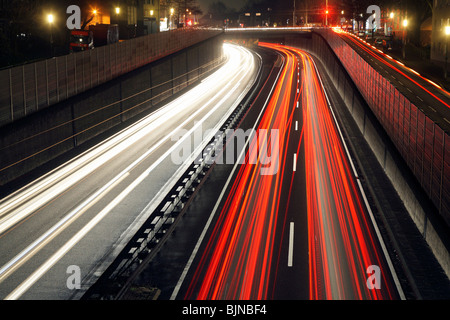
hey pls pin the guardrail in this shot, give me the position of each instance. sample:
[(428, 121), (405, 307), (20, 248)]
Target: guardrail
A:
[(28, 88)]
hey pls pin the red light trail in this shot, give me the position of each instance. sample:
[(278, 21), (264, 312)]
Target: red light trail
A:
[(376, 56), (338, 223), (240, 256)]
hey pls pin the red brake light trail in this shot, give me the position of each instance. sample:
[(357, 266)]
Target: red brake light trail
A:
[(239, 256), (341, 241), (401, 72)]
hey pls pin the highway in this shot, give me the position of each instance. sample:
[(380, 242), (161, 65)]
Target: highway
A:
[(432, 99), (288, 219), (302, 231), (80, 214)]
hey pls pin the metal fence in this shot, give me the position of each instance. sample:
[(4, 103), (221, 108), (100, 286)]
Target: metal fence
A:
[(31, 87), (423, 144)]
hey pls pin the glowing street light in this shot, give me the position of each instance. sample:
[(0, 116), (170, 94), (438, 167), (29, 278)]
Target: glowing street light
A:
[(405, 24), (172, 10), (391, 15), (51, 19), (447, 33), (117, 10)]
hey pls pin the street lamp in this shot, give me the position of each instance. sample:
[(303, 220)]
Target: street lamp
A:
[(172, 10), (51, 19), (405, 24), (391, 15), (117, 10), (94, 12), (447, 33)]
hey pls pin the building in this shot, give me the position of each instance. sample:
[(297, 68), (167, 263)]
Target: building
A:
[(151, 16), (439, 40)]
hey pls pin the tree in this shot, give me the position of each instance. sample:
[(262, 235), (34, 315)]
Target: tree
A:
[(418, 13)]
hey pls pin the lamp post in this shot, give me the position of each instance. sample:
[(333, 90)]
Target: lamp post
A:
[(447, 33), (391, 15), (50, 20), (405, 24)]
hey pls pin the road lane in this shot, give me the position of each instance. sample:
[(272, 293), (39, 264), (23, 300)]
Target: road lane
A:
[(343, 243), (236, 261), (82, 212), (306, 226)]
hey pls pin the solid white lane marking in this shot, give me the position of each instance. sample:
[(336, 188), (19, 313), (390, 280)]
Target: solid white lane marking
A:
[(295, 162), (291, 244)]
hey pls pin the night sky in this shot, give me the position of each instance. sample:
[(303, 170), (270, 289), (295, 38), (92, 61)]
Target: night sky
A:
[(237, 4)]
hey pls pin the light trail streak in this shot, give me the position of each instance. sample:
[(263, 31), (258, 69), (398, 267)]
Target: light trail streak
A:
[(376, 56), (239, 256), (240, 60), (341, 240), (237, 261), (33, 197)]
